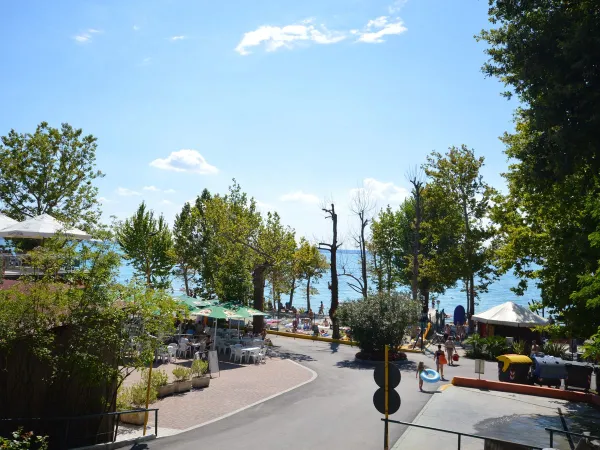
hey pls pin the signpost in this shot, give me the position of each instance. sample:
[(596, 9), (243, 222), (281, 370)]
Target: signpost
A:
[(386, 399), (213, 363), (479, 367)]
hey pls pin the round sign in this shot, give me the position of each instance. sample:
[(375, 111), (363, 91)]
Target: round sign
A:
[(393, 376), (393, 401)]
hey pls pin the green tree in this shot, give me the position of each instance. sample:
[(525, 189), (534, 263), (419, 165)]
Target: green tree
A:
[(148, 244), (545, 52), (311, 265), (187, 246), (456, 179), (49, 172)]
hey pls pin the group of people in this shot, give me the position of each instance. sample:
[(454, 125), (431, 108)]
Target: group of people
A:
[(442, 357)]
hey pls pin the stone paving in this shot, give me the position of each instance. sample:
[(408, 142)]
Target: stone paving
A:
[(235, 388)]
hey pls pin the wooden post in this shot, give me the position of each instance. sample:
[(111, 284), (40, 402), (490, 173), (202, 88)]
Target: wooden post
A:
[(148, 395)]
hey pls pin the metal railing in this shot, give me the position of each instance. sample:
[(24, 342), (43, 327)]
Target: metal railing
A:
[(460, 435), (64, 439), (568, 433)]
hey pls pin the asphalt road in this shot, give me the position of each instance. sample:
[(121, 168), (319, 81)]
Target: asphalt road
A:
[(333, 411)]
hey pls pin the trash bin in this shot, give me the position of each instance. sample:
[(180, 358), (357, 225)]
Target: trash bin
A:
[(578, 375), (548, 370), (514, 368)]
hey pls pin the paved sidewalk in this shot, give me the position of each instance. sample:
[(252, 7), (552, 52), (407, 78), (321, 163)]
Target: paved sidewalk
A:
[(507, 416), (237, 387)]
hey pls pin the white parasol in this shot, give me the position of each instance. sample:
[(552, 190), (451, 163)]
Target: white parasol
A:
[(41, 227)]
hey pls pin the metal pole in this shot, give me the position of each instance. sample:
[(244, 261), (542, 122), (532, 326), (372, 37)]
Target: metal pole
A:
[(551, 438), (386, 444), (459, 441), (156, 422), (148, 396)]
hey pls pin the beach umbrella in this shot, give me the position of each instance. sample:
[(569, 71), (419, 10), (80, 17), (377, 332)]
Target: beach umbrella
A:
[(6, 221), (510, 314), (41, 227), (217, 312), (192, 303)]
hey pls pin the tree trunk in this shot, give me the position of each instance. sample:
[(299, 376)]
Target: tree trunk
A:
[(334, 278), (308, 294), (291, 292), (185, 280), (363, 256), (416, 244), (471, 297), (258, 281)]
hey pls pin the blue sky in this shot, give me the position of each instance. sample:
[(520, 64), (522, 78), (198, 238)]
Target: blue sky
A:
[(299, 101)]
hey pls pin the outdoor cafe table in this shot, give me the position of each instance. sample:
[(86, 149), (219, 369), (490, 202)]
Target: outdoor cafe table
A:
[(247, 350)]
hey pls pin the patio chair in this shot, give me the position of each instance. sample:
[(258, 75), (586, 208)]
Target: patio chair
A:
[(262, 355), (238, 354), (172, 350), (163, 353), (183, 349), (254, 354)]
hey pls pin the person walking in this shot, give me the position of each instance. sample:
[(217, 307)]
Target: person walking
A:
[(322, 309), (450, 349), (420, 369), (440, 360)]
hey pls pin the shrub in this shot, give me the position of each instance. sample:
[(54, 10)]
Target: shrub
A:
[(477, 344), (379, 320), (199, 367), (591, 348), (22, 440), (159, 378), (519, 348), (123, 400), (181, 373), (555, 349), (138, 394), (495, 346)]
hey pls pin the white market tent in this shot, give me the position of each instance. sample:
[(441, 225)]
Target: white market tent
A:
[(6, 221), (510, 314), (41, 227)]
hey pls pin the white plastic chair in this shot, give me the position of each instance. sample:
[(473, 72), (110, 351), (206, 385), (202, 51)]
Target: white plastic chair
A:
[(238, 353), (254, 354), (183, 348), (172, 350), (163, 353), (262, 355)]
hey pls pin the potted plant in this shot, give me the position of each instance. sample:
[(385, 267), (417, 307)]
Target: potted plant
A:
[(183, 383), (135, 398), (199, 378), (160, 382)]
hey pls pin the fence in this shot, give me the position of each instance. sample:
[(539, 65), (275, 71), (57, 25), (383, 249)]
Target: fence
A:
[(67, 440), (568, 434)]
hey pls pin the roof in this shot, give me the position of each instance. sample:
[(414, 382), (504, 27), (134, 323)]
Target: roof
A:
[(510, 314)]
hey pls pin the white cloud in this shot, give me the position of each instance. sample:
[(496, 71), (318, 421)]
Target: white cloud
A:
[(376, 29), (136, 28), (166, 202), (185, 160), (383, 192), (289, 36), (396, 6), (300, 196), (151, 188), (103, 200), (124, 192), (86, 36), (177, 38), (170, 191), (146, 61)]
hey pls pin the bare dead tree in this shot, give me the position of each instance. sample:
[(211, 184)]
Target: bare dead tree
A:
[(362, 206), (332, 248), (416, 178)]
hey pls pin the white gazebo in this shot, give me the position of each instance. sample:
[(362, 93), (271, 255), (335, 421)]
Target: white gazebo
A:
[(6, 221), (41, 227), (511, 315)]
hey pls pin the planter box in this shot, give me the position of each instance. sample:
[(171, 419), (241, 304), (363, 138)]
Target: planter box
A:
[(200, 382), (183, 386), (166, 390), (136, 418)]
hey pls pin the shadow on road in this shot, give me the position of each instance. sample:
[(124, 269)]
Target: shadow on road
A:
[(295, 356), (405, 366), (334, 347)]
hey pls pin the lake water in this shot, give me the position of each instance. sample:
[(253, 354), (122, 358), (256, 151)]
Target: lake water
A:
[(498, 292)]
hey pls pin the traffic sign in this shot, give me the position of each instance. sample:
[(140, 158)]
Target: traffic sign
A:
[(393, 401), (393, 376)]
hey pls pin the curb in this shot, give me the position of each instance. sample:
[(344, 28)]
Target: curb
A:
[(526, 389), (330, 340), (118, 444)]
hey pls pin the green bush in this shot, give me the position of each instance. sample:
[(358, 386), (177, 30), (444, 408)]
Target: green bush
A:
[(519, 348), (22, 440), (555, 349), (477, 346), (138, 394), (181, 373), (159, 378), (591, 348), (379, 320), (199, 367), (495, 346)]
